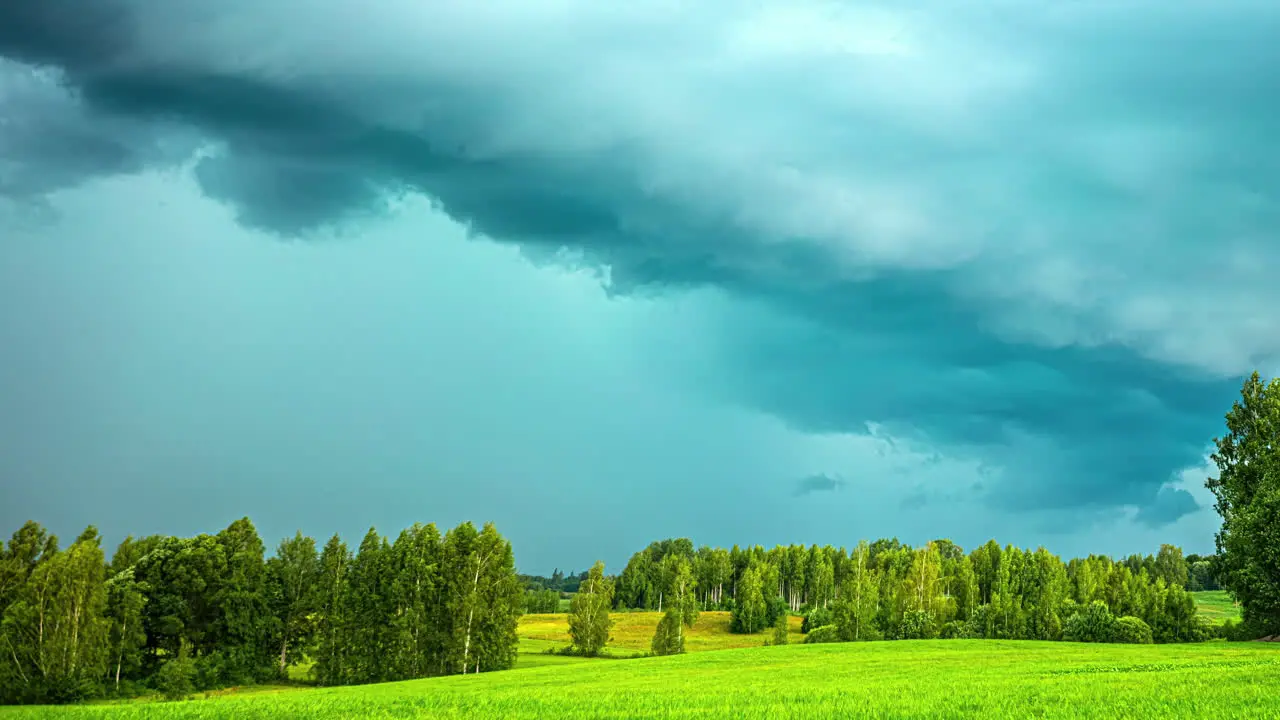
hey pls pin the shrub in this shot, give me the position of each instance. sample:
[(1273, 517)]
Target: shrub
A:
[(917, 625), (780, 631), (816, 618), (956, 630), (1129, 629), (824, 634), (978, 622), (1092, 623), (174, 679)]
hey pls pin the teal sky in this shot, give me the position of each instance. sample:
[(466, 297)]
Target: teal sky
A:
[(785, 272)]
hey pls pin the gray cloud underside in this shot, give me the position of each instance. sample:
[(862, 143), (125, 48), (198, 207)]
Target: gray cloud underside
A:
[(816, 484), (1046, 241)]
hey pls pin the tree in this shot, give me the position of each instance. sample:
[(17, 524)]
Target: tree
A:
[(1094, 623), (749, 612), (331, 666), (681, 588), (538, 602), (780, 630), (1247, 490), (589, 621), (483, 600), (415, 582), (242, 622), (292, 579), (54, 631), (1171, 566), (125, 601), (667, 638), (855, 611)]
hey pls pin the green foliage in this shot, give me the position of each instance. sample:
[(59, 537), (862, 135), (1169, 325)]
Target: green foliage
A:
[(956, 630), (1129, 629), (541, 601), (292, 580), (817, 617), (1248, 499), (175, 679), (54, 628), (750, 614), (1093, 623), (780, 631), (917, 625), (668, 639), (589, 621), (823, 634)]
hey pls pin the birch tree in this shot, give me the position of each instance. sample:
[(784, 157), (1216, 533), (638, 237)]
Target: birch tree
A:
[(589, 620)]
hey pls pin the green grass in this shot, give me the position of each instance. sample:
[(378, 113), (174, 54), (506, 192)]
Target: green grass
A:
[(942, 679), (935, 679), (633, 631), (1217, 606)]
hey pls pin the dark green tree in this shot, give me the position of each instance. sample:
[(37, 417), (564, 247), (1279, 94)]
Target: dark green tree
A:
[(668, 639), (333, 626), (750, 614), (292, 583), (1247, 489)]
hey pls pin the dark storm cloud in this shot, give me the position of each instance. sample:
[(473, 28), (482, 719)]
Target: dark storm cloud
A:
[(816, 484), (1045, 242)]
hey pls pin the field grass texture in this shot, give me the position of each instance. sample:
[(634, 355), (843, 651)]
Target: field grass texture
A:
[(935, 679)]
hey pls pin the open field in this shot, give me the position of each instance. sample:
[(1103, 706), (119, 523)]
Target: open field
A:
[(633, 631), (1216, 606), (954, 678)]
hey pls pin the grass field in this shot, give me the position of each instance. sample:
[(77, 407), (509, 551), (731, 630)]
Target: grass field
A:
[(633, 631), (896, 679), (936, 679), (1216, 606)]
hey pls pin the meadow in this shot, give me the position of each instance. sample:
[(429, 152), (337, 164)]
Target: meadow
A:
[(953, 678), (937, 679), (1216, 606)]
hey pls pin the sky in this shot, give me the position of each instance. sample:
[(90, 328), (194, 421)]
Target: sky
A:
[(786, 271)]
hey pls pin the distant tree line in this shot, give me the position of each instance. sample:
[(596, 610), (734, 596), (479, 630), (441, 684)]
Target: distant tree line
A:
[(543, 594), (183, 614), (888, 590)]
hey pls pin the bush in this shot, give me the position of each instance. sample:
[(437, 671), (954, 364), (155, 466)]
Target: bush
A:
[(1092, 623), (174, 680), (978, 622), (917, 625), (816, 618), (1129, 629), (824, 634), (956, 630)]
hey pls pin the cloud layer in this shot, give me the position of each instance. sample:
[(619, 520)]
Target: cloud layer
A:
[(1039, 235)]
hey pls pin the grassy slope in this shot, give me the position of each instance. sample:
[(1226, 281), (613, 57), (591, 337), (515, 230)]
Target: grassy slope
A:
[(1217, 606), (956, 678)]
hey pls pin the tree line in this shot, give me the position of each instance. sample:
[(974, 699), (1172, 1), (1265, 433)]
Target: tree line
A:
[(889, 590), (182, 614)]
